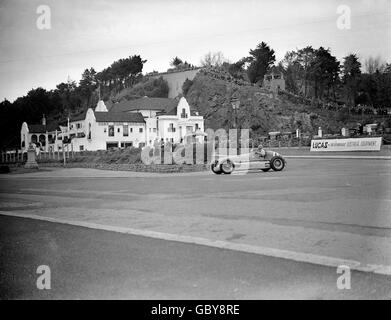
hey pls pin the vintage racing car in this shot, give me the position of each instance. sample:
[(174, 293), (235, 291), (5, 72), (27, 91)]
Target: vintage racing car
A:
[(257, 159)]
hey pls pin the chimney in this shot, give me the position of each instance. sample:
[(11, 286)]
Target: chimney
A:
[(43, 120)]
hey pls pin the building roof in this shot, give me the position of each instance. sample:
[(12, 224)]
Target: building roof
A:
[(145, 103), (172, 112), (39, 128), (79, 117), (119, 117)]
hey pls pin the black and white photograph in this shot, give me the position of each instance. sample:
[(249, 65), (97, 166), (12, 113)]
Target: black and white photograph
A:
[(195, 154)]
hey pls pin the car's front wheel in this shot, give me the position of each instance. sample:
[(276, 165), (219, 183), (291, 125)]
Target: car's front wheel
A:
[(277, 163), (227, 166), (215, 169)]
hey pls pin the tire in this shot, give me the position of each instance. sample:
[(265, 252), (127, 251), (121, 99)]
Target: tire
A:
[(277, 163), (227, 167), (214, 169), (266, 170)]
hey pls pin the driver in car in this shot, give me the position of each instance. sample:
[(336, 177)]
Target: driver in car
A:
[(262, 153)]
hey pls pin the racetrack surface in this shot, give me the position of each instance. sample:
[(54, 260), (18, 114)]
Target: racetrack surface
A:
[(319, 208), (94, 264)]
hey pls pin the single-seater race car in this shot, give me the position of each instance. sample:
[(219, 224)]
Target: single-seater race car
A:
[(257, 159)]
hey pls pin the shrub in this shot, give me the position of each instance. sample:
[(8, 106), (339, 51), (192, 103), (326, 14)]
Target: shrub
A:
[(4, 169)]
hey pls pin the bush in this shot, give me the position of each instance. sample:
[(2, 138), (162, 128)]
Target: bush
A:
[(4, 169), (117, 156), (186, 86), (343, 115)]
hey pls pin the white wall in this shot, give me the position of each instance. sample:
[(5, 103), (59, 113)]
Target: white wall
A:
[(175, 80), (100, 134)]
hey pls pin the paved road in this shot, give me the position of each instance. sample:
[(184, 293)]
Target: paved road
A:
[(93, 264), (319, 208)]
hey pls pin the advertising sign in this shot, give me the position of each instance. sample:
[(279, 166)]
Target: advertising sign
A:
[(352, 144)]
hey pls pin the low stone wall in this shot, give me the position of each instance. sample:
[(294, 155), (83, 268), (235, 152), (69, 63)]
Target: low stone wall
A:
[(130, 167)]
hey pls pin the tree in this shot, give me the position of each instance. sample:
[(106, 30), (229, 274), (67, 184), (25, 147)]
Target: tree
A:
[(305, 59), (237, 69), (87, 85), (215, 59), (351, 71), (176, 62), (373, 65), (324, 72), (292, 71), (186, 86), (387, 68), (261, 59)]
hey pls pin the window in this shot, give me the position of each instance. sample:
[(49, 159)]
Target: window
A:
[(125, 130), (78, 125), (183, 114), (171, 128), (111, 131), (111, 145), (154, 130), (118, 130), (140, 130), (131, 129), (197, 127), (126, 144), (81, 148)]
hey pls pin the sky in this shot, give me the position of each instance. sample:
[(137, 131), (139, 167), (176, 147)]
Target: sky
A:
[(95, 33)]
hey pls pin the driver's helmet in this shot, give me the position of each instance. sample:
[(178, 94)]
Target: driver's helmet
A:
[(261, 151)]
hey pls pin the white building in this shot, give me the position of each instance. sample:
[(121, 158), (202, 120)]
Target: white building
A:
[(167, 119), (130, 123)]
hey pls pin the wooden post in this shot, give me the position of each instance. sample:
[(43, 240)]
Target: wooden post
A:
[(63, 155)]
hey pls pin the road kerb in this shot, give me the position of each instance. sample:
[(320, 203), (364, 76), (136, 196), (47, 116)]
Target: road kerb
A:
[(271, 252), (339, 157)]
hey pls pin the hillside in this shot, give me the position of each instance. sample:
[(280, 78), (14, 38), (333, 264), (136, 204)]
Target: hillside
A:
[(211, 91)]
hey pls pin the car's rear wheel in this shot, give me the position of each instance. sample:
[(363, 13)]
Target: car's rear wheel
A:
[(215, 169), (227, 167), (277, 163)]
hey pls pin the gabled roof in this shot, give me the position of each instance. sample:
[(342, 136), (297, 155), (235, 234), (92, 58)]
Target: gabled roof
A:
[(39, 128), (119, 117), (172, 112), (79, 117), (145, 103)]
